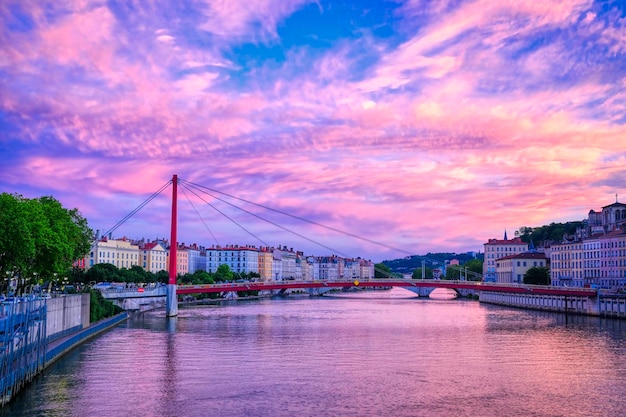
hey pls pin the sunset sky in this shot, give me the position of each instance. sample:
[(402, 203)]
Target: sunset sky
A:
[(430, 126)]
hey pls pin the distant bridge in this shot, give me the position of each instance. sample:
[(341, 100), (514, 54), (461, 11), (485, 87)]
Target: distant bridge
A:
[(422, 287), (461, 287), (576, 300)]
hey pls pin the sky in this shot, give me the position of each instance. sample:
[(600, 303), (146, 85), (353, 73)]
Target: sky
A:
[(414, 126)]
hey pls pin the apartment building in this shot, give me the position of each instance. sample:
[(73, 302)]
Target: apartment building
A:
[(328, 267), (567, 264), (512, 268), (196, 257), (240, 259), (496, 249), (182, 260), (121, 253), (596, 255), (604, 260), (153, 257), (366, 269), (265, 263)]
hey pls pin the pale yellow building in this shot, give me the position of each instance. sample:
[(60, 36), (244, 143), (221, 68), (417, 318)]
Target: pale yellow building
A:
[(182, 260), (120, 253), (153, 257), (265, 264)]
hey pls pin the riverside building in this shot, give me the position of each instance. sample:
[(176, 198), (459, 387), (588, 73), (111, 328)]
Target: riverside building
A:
[(496, 249)]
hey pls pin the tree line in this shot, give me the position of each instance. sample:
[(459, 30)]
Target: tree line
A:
[(39, 239), (547, 234), (104, 272)]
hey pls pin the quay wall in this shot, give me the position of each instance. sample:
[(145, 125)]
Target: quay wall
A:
[(35, 332), (597, 306), (61, 347), (66, 315)]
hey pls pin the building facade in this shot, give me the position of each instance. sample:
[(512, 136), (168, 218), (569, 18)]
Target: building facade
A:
[(512, 268), (496, 249), (567, 264), (121, 253), (153, 257), (604, 259), (240, 259)]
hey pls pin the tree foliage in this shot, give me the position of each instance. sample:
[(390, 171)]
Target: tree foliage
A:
[(224, 273), (99, 308), (472, 270), (428, 273), (554, 232), (39, 238), (432, 260), (382, 271), (537, 275)]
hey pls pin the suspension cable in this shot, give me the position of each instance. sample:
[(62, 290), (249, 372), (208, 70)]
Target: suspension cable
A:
[(142, 205), (303, 219), (224, 214), (190, 185), (198, 186), (198, 214)]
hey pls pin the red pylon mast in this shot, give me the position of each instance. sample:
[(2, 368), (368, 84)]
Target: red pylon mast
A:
[(173, 243)]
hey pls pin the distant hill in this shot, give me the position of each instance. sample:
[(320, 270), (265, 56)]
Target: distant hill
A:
[(408, 264)]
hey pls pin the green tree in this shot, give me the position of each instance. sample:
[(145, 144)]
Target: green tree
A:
[(162, 276), (471, 270), (202, 277), (65, 237), (453, 272), (77, 275), (382, 271), (552, 232), (224, 273), (39, 238), (428, 273), (103, 272), (99, 308), (17, 245), (475, 269), (131, 275), (537, 275)]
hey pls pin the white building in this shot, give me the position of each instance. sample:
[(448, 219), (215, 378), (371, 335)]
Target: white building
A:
[(496, 249), (120, 253), (240, 259), (567, 264)]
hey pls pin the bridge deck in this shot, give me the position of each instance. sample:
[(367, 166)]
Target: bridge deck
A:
[(468, 285)]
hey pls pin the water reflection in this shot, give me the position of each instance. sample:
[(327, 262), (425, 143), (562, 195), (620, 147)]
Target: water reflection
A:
[(373, 356)]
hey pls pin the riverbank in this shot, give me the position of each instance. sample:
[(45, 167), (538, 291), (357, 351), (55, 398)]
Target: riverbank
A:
[(28, 349)]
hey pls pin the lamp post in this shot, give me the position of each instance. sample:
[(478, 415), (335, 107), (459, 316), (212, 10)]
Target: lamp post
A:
[(7, 281)]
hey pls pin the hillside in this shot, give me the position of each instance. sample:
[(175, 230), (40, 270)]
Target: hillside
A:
[(410, 263)]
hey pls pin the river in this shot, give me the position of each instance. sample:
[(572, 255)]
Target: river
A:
[(366, 354)]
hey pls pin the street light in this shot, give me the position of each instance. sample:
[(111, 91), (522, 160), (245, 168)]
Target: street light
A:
[(7, 281)]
